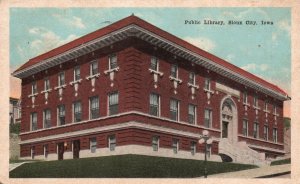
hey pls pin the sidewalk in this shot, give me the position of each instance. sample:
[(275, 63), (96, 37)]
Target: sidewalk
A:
[(256, 173), (15, 165)]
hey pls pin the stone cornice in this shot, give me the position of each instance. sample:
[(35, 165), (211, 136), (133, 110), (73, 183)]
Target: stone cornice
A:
[(152, 38)]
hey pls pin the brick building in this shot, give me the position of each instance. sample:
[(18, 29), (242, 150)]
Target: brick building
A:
[(132, 88)]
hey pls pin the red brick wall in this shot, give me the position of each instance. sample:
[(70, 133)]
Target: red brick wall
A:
[(134, 83)]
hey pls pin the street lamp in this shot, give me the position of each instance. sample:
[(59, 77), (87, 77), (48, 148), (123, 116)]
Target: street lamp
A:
[(207, 142)]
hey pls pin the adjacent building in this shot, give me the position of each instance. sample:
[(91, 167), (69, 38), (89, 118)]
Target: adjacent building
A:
[(14, 110), (132, 88)]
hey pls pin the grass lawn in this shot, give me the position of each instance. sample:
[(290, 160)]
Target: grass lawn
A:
[(123, 166), (280, 162)]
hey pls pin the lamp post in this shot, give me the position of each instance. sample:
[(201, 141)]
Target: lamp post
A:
[(207, 142)]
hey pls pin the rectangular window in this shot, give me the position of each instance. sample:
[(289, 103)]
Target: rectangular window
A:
[(256, 130), (61, 115), (266, 106), (93, 144), (155, 143), (61, 79), (174, 109), (33, 87), (208, 150), (154, 63), (266, 132), (77, 111), (192, 114), (113, 99), (245, 127), (154, 104), (274, 109), (255, 101), (77, 73), (112, 142), (275, 135), (175, 145), (46, 150), (174, 71), (46, 84), (93, 68), (245, 97), (33, 117), (207, 118), (113, 61), (47, 118), (32, 152), (193, 147), (94, 107), (207, 84), (192, 78)]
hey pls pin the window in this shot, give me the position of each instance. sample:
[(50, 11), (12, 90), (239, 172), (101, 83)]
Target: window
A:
[(193, 147), (154, 104), (155, 143), (256, 130), (77, 73), (61, 79), (274, 109), (77, 111), (274, 134), (61, 114), (207, 118), (245, 97), (93, 68), (245, 127), (94, 107), (174, 106), (174, 71), (113, 103), (175, 145), (46, 84), (113, 61), (112, 142), (266, 106), (33, 117), (192, 78), (33, 87), (47, 118), (266, 132), (192, 114), (207, 84), (154, 63), (32, 152), (93, 144), (208, 150), (255, 101), (46, 150)]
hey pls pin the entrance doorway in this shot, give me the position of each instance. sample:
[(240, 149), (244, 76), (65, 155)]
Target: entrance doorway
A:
[(224, 129), (76, 148), (60, 147)]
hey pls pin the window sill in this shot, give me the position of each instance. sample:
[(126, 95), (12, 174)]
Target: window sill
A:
[(256, 107), (275, 114), (156, 72), (75, 82), (266, 111), (193, 85), (175, 79), (93, 76), (111, 70), (46, 91), (246, 104), (32, 95), (59, 87), (208, 91)]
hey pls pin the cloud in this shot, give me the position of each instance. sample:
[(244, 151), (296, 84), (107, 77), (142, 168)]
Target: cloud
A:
[(230, 57), (202, 42), (254, 66), (246, 14), (284, 25), (47, 40), (72, 21)]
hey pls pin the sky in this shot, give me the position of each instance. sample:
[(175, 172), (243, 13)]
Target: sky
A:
[(264, 50)]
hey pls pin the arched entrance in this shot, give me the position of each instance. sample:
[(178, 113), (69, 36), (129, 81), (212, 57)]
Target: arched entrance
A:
[(229, 125)]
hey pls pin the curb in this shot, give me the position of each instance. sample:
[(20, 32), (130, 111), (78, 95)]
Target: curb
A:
[(276, 174)]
